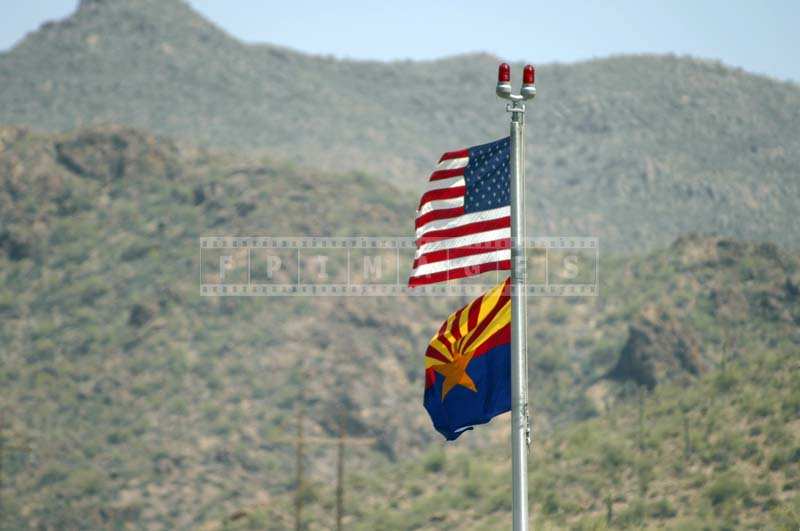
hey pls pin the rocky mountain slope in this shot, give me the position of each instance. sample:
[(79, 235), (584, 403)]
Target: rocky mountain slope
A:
[(636, 149), (128, 398), (723, 453), (689, 448)]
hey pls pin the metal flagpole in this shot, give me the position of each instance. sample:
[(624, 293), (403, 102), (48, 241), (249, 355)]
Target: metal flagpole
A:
[(520, 423)]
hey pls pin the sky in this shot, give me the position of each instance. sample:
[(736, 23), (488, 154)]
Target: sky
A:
[(760, 36)]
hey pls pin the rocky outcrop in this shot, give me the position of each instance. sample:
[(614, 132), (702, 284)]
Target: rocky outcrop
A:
[(115, 153), (659, 347)]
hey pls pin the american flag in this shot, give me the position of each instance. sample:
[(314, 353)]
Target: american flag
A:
[(463, 224)]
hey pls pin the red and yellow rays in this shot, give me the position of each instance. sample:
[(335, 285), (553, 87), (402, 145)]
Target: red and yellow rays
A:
[(470, 332)]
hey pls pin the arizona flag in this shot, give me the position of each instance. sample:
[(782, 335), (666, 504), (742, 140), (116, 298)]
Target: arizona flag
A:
[(468, 365)]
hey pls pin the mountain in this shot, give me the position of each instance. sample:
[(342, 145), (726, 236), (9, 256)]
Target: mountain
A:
[(716, 448), (129, 399), (721, 454), (634, 149)]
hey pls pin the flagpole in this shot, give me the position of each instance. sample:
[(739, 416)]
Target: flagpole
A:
[(520, 422)]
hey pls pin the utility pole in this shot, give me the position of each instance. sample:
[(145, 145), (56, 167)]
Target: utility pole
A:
[(300, 441), (520, 421), (340, 476), (342, 441), (8, 446), (640, 446), (300, 458), (687, 439), (2, 442)]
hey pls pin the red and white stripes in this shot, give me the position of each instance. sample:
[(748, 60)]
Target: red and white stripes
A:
[(451, 243)]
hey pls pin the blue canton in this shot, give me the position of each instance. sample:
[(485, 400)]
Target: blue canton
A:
[(488, 177)]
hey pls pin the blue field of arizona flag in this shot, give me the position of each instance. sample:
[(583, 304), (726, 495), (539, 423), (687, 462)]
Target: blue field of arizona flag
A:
[(468, 365), (463, 223)]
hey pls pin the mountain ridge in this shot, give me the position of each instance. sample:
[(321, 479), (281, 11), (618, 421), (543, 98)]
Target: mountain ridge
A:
[(634, 149)]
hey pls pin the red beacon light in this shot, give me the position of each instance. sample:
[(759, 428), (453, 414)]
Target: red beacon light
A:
[(503, 81), (529, 75), (504, 73), (528, 82)]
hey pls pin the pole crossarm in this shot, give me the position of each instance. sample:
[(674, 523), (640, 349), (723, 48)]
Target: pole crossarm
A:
[(356, 441)]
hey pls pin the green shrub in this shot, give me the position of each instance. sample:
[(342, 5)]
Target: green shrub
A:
[(499, 500), (725, 488), (54, 473), (551, 504), (662, 509), (415, 490), (794, 455), (725, 381), (778, 435), (751, 451), (633, 515), (434, 461), (472, 490), (558, 315), (762, 409), (777, 461), (764, 489), (85, 482)]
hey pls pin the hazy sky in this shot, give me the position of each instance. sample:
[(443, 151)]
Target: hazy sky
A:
[(757, 35)]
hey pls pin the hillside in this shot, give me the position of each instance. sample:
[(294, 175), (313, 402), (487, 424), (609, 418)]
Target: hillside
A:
[(715, 450), (126, 394), (128, 398), (636, 150), (722, 454)]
